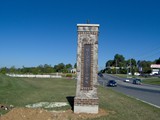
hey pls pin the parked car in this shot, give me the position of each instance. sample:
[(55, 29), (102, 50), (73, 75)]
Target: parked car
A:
[(137, 81), (112, 83)]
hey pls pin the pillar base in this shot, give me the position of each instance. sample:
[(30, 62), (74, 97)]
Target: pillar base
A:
[(85, 105), (86, 109)]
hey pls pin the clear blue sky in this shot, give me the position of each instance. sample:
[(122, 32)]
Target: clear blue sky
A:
[(34, 32)]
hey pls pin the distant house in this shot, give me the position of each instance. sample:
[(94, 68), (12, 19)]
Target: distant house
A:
[(69, 69), (155, 69), (73, 70)]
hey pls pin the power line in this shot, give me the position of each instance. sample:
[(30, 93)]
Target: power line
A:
[(152, 55), (148, 54)]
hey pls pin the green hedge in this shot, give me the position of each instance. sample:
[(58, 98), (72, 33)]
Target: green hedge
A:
[(68, 75)]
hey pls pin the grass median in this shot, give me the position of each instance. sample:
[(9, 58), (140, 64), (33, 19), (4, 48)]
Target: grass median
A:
[(22, 91), (152, 81)]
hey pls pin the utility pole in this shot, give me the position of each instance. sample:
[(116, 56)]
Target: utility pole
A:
[(127, 70), (116, 66), (130, 67)]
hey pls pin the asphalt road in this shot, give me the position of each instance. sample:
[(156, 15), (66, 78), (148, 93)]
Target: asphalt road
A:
[(149, 94)]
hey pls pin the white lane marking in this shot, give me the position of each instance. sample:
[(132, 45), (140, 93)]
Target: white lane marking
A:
[(148, 103), (144, 101)]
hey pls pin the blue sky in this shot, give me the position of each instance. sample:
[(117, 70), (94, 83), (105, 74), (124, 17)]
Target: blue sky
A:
[(34, 32)]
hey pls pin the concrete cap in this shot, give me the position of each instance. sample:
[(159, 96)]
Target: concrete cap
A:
[(88, 25)]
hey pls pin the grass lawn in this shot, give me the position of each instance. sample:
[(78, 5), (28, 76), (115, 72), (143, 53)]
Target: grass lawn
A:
[(22, 91), (125, 76), (153, 81), (120, 75)]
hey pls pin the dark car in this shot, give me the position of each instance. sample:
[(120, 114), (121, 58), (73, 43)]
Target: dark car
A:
[(112, 83), (100, 74), (137, 81)]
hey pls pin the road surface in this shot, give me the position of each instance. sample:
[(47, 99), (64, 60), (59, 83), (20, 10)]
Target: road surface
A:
[(147, 93)]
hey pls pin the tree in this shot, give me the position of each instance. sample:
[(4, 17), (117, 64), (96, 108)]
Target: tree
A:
[(13, 69), (68, 66), (40, 69), (59, 67), (131, 62), (47, 68), (120, 65), (109, 63), (25, 70), (75, 65), (145, 66), (131, 65), (119, 57), (3, 70), (119, 60), (157, 61), (34, 70)]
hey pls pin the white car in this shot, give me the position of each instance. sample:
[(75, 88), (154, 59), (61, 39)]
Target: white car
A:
[(126, 80)]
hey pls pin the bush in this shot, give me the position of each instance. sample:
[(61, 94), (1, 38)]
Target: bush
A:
[(68, 75)]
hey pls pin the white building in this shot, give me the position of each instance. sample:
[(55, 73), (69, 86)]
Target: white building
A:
[(155, 68), (73, 70)]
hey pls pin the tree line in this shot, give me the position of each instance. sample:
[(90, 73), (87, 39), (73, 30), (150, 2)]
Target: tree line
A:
[(41, 69), (121, 66), (118, 65)]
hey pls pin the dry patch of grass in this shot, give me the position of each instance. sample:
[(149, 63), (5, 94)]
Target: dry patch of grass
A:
[(41, 114)]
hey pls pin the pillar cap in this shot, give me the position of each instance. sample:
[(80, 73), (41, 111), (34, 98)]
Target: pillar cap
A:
[(88, 25)]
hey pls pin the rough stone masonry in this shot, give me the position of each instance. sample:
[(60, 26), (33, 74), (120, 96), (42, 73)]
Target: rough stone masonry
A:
[(86, 99)]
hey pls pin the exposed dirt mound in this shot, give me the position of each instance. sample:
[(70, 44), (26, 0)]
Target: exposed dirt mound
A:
[(40, 114)]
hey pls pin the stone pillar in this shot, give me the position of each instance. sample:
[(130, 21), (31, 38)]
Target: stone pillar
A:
[(86, 99)]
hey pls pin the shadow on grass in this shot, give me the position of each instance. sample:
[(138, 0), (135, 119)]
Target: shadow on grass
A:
[(71, 101)]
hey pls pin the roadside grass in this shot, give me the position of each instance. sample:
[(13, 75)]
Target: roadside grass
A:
[(124, 75), (122, 107), (120, 75), (22, 91), (153, 81)]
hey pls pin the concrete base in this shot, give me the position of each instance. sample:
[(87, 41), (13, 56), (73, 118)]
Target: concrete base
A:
[(86, 109)]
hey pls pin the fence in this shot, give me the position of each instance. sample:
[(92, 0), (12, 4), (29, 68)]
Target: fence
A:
[(34, 76)]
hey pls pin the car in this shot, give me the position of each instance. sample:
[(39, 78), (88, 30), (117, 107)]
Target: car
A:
[(100, 74), (112, 83), (137, 81), (126, 80)]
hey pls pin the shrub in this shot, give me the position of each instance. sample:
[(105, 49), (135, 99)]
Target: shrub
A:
[(68, 75)]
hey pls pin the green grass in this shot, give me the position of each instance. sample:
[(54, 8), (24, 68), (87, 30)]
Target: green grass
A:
[(22, 91), (122, 107), (153, 81), (121, 75), (125, 76)]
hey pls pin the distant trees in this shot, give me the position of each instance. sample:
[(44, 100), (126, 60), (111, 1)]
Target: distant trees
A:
[(122, 66), (61, 67), (157, 61), (118, 64), (41, 69), (145, 65), (75, 65), (3, 70)]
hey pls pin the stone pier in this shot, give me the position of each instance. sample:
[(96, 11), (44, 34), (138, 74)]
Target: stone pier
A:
[(86, 99)]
